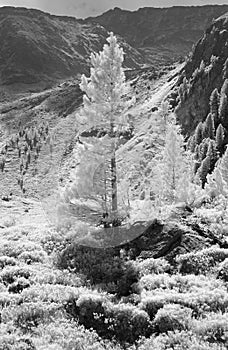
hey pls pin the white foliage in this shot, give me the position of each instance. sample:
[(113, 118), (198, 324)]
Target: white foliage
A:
[(105, 88), (174, 179)]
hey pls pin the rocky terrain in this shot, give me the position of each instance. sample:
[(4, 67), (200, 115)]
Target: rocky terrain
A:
[(39, 48), (212, 51), (158, 281), (161, 34)]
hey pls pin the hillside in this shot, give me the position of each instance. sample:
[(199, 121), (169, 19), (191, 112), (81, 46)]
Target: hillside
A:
[(161, 34), (157, 277), (39, 48)]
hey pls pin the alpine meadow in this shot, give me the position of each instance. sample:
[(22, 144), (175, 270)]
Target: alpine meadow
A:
[(114, 179)]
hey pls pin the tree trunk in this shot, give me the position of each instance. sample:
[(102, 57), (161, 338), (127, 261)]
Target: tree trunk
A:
[(114, 184), (113, 172)]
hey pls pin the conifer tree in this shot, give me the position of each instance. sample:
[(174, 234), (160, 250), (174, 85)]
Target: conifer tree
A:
[(199, 133), (223, 110), (224, 89), (212, 154), (209, 127), (214, 105), (204, 170), (220, 135), (204, 148), (225, 69), (171, 166), (223, 166), (103, 99)]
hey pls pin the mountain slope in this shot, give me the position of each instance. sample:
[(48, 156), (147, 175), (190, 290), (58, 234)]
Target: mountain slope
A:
[(161, 33), (200, 79), (38, 47)]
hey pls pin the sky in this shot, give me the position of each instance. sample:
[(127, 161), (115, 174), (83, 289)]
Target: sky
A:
[(86, 8)]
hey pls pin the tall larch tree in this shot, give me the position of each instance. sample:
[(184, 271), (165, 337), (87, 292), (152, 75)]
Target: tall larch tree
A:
[(225, 69), (209, 127), (214, 105), (223, 110), (103, 99), (199, 133), (172, 162), (219, 138)]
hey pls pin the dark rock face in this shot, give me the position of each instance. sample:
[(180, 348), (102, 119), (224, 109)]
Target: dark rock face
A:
[(168, 240), (212, 49), (161, 34), (36, 46)]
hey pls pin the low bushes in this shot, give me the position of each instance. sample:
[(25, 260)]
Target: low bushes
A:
[(178, 340), (172, 317), (124, 322), (151, 265), (102, 267), (213, 328), (200, 302), (201, 262), (222, 270), (10, 274)]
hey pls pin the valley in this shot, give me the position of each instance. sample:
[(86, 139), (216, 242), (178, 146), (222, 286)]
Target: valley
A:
[(74, 274)]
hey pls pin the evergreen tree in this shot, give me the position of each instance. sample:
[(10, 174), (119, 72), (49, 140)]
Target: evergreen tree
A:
[(204, 170), (204, 148), (225, 69), (174, 171), (103, 98), (223, 166), (214, 105), (220, 135), (223, 110), (191, 145), (209, 127), (224, 89), (199, 133), (212, 154)]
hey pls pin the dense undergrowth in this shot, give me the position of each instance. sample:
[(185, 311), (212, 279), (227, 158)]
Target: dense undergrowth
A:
[(62, 296)]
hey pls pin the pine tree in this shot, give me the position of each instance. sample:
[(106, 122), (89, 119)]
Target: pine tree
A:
[(212, 154), (214, 105), (223, 110), (204, 170), (204, 148), (225, 69), (199, 133), (209, 127), (171, 166), (223, 166), (224, 89), (220, 135), (103, 98)]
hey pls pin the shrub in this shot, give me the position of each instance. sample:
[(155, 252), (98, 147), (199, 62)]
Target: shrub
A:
[(179, 283), (178, 340), (13, 342), (213, 328), (124, 322), (172, 317), (68, 335), (200, 301), (102, 267), (55, 276), (222, 270), (152, 265), (18, 286), (6, 260), (202, 261), (127, 323), (11, 273), (32, 256), (29, 315)]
